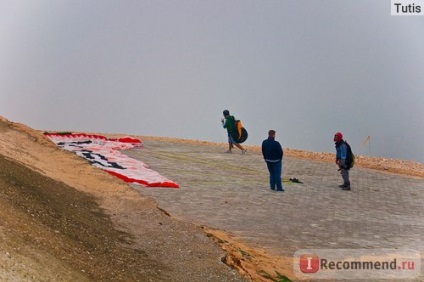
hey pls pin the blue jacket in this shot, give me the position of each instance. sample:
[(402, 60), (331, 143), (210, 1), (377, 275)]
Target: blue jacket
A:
[(272, 150), (341, 150)]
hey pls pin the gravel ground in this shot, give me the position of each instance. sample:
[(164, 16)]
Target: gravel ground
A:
[(64, 220)]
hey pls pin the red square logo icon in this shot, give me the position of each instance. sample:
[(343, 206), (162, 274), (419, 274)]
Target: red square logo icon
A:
[(309, 263)]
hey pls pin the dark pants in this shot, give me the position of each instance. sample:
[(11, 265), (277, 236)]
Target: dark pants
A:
[(345, 175), (275, 175)]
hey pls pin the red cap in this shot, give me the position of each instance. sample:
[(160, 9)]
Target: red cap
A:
[(338, 137)]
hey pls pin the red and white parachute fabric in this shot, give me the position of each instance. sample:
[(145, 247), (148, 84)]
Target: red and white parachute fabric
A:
[(105, 153)]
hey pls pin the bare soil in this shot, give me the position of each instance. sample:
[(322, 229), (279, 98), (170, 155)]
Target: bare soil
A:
[(62, 219)]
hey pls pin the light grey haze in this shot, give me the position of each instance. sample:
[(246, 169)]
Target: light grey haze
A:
[(169, 68)]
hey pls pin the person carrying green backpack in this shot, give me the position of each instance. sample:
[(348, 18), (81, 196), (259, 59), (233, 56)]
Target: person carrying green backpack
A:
[(228, 122)]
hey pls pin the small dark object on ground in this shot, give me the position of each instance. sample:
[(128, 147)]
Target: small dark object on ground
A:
[(295, 180)]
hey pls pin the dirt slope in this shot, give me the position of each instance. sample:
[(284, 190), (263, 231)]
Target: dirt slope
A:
[(64, 220)]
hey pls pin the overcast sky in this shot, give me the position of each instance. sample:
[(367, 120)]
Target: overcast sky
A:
[(169, 68)]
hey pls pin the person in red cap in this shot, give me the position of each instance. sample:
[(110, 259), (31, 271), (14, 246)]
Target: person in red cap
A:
[(342, 159)]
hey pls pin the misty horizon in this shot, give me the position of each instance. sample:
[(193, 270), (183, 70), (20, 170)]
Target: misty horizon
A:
[(306, 69)]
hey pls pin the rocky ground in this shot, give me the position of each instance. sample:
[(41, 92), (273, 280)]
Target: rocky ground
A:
[(64, 220)]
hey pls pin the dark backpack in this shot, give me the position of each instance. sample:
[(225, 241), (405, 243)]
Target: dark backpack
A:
[(350, 157), (239, 133)]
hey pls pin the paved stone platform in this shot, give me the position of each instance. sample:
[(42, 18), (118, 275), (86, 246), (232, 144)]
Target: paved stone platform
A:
[(231, 192)]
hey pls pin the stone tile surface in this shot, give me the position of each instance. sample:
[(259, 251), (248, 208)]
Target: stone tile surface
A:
[(231, 192)]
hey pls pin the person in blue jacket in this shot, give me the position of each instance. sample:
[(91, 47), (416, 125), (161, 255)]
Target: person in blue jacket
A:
[(273, 156), (341, 159)]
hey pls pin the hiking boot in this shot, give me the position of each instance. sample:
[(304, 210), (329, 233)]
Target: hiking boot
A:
[(344, 185)]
